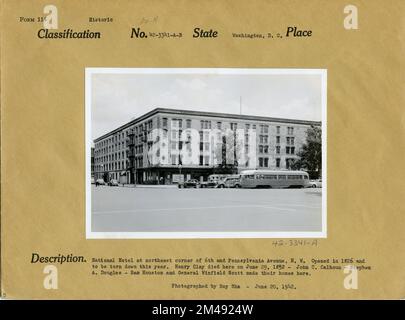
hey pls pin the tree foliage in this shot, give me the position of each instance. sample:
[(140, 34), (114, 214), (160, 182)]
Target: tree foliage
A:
[(310, 155)]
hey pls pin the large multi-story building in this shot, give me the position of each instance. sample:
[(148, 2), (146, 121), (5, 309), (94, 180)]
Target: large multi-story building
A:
[(168, 145), (92, 162)]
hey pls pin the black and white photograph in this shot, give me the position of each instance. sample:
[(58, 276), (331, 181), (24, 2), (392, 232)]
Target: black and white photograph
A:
[(205, 153)]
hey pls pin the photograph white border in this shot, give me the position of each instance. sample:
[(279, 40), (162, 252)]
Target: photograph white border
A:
[(201, 235)]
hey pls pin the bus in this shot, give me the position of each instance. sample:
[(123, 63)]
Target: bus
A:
[(274, 179)]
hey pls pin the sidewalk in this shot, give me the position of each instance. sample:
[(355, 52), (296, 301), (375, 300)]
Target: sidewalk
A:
[(154, 186)]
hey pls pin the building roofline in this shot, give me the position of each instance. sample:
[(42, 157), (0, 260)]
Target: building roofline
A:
[(208, 114)]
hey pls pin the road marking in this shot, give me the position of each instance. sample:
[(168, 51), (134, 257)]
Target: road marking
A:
[(191, 208)]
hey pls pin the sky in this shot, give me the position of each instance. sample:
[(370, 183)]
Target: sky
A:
[(118, 98)]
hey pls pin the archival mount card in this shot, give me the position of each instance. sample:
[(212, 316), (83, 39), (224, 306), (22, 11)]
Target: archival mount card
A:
[(202, 150)]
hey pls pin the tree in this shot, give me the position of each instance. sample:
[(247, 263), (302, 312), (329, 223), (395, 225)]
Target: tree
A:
[(310, 155)]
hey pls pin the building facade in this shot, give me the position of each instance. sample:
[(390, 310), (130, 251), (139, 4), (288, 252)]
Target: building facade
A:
[(166, 146), (92, 162)]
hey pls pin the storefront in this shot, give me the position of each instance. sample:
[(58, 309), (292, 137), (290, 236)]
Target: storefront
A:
[(172, 175)]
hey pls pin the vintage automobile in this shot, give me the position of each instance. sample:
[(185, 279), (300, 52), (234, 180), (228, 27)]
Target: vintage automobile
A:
[(229, 182), (315, 183), (113, 183), (192, 183), (208, 184), (100, 182)]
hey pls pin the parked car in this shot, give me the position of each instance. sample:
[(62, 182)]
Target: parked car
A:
[(230, 182), (192, 183), (113, 183), (100, 182), (315, 183), (208, 184)]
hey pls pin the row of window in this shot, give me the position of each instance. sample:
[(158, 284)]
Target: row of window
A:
[(288, 150), (143, 127), (139, 162), (276, 177), (204, 136), (116, 142), (111, 157), (136, 162), (109, 149), (113, 139), (179, 146), (176, 160), (178, 123), (264, 162), (265, 149), (120, 165), (139, 149), (207, 124)]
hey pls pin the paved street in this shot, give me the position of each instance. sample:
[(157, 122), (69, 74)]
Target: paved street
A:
[(124, 209)]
